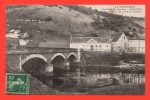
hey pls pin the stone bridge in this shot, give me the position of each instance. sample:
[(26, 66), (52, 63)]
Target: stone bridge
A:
[(50, 57)]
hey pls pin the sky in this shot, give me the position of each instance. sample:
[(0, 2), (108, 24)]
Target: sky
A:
[(125, 10)]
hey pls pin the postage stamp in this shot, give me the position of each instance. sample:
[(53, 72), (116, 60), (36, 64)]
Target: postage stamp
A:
[(17, 83)]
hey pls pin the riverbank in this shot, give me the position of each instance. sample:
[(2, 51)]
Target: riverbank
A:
[(125, 89), (111, 58), (130, 89), (113, 62)]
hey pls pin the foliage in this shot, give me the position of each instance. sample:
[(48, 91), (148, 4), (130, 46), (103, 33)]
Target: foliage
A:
[(48, 19)]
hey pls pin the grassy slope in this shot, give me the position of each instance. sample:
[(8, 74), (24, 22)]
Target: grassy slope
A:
[(66, 21), (63, 23)]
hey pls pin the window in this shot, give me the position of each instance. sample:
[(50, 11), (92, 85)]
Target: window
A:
[(124, 37), (92, 48), (99, 45), (107, 45)]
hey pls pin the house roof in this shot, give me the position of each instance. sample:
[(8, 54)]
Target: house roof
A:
[(47, 44), (85, 39), (129, 35), (141, 36), (115, 37), (12, 42), (54, 45), (135, 36)]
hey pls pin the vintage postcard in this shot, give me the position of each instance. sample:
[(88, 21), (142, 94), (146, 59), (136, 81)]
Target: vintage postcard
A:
[(75, 49)]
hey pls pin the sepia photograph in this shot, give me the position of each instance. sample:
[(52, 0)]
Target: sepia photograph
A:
[(75, 49)]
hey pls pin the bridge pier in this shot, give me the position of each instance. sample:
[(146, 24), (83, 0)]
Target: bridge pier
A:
[(79, 55), (49, 68), (20, 62), (67, 65)]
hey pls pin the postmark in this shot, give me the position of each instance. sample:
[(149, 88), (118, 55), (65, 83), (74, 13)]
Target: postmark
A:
[(17, 83)]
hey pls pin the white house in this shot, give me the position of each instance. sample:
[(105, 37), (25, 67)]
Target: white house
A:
[(91, 43), (23, 42), (13, 34), (119, 42), (128, 42), (137, 44)]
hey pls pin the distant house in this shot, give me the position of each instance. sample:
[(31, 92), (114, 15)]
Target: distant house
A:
[(91, 43), (13, 34), (32, 44), (136, 42), (128, 42), (119, 42), (23, 42)]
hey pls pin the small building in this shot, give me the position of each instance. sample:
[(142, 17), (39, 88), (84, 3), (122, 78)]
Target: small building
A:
[(23, 42), (128, 42), (12, 35), (31, 44), (136, 43), (119, 42), (91, 43)]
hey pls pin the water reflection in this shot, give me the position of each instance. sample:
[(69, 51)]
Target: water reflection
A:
[(76, 77), (124, 77)]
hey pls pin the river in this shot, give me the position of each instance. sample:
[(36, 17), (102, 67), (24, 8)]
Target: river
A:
[(66, 80)]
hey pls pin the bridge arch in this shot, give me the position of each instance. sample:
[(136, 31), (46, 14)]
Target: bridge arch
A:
[(33, 56), (58, 54), (70, 54), (72, 59)]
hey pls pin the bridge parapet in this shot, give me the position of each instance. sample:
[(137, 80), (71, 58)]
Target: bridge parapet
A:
[(41, 50)]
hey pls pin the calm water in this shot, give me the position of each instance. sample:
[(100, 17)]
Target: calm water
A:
[(64, 79)]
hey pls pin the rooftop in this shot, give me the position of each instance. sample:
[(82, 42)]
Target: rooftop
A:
[(134, 36), (85, 39), (32, 44), (115, 37), (53, 45), (129, 35)]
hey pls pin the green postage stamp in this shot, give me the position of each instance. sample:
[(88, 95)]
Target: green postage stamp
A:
[(17, 83)]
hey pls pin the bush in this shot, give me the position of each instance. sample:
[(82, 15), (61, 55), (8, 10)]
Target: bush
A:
[(127, 57), (48, 19), (101, 58)]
